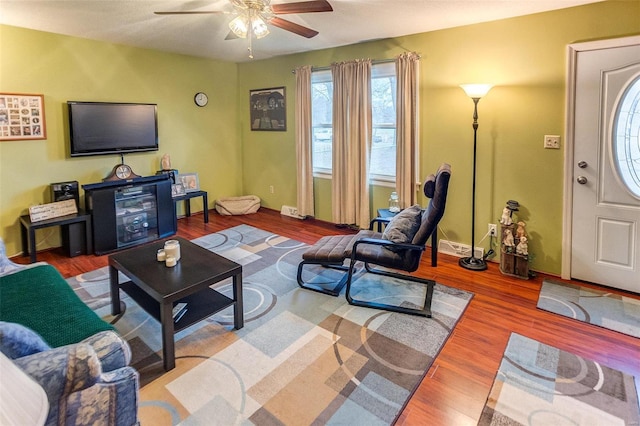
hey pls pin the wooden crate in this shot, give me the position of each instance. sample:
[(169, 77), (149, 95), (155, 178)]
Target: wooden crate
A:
[(512, 264)]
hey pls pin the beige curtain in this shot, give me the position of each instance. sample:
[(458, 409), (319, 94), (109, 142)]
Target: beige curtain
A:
[(407, 143), (303, 142), (351, 142)]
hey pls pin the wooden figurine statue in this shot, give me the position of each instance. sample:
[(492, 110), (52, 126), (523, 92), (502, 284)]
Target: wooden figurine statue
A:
[(522, 247), (508, 238), (520, 231), (506, 217)]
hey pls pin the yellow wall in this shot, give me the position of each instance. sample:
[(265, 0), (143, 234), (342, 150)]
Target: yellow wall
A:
[(203, 140), (524, 57)]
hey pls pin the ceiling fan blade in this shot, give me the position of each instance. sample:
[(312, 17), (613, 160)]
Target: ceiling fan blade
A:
[(190, 12), (293, 27), (302, 7)]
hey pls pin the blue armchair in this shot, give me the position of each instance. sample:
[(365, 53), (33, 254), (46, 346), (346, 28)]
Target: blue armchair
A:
[(86, 383)]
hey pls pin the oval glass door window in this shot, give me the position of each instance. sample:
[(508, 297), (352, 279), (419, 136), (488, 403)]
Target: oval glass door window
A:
[(626, 134)]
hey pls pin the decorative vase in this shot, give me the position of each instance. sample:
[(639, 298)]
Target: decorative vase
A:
[(394, 203)]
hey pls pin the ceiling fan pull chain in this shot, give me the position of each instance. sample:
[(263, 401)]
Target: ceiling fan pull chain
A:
[(250, 37)]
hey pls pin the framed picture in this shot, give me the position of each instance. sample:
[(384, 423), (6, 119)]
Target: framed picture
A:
[(177, 189), (189, 181), (268, 109), (21, 117)]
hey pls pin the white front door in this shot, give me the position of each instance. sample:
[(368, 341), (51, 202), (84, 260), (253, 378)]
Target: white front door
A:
[(604, 98)]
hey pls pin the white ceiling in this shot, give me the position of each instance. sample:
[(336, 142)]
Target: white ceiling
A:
[(133, 22)]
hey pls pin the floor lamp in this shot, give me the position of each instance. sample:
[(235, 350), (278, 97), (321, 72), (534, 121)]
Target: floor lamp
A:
[(475, 92)]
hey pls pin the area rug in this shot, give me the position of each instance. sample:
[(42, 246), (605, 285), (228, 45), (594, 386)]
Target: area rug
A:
[(302, 357), (538, 384), (608, 310)]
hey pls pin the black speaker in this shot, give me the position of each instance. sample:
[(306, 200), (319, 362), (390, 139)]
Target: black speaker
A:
[(62, 191), (73, 239)]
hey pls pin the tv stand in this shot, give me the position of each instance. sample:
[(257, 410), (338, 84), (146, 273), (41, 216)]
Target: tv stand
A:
[(126, 213)]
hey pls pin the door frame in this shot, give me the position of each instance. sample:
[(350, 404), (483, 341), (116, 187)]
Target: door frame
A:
[(567, 211)]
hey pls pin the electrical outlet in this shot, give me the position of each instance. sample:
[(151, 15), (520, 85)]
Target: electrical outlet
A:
[(552, 142), (271, 189), (493, 230)]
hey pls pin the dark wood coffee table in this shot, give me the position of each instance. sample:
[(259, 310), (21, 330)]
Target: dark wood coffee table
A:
[(157, 288)]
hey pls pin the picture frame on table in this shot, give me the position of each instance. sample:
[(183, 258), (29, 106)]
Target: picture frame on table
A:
[(268, 109), (22, 117), (189, 181), (177, 189)]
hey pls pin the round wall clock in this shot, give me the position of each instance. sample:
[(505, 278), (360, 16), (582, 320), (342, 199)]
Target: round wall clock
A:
[(201, 99)]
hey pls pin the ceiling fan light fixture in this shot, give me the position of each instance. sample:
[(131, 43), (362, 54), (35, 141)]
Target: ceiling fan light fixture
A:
[(259, 27), (240, 26)]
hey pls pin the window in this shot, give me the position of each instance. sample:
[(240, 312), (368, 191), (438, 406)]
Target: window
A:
[(383, 138), (321, 120), (627, 138)]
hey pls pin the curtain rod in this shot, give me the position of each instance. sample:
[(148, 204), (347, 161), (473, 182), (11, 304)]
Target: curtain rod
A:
[(373, 62)]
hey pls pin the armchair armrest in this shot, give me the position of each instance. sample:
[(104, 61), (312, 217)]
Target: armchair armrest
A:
[(385, 243), (61, 371), (112, 350), (380, 221), (112, 401), (77, 389)]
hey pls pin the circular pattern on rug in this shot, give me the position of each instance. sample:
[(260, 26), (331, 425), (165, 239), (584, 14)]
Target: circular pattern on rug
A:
[(296, 244), (212, 241), (376, 351), (257, 301), (573, 309), (587, 373)]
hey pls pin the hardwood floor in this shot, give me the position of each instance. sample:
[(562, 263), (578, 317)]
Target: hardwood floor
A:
[(455, 389)]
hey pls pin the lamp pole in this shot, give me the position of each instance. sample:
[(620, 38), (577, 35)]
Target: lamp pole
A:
[(475, 92)]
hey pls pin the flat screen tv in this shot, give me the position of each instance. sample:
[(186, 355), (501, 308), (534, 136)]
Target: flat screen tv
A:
[(97, 128)]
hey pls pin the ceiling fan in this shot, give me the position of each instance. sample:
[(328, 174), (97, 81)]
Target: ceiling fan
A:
[(253, 16)]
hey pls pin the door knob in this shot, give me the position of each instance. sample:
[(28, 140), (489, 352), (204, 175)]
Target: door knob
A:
[(582, 180), (582, 164)]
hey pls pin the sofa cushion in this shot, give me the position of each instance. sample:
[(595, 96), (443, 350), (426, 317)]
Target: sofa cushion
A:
[(404, 225), (17, 340)]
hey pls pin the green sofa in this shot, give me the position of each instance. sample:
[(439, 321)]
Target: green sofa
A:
[(38, 297), (76, 358)]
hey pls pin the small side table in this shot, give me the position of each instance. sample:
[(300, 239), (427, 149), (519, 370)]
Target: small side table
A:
[(187, 205), (68, 227)]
